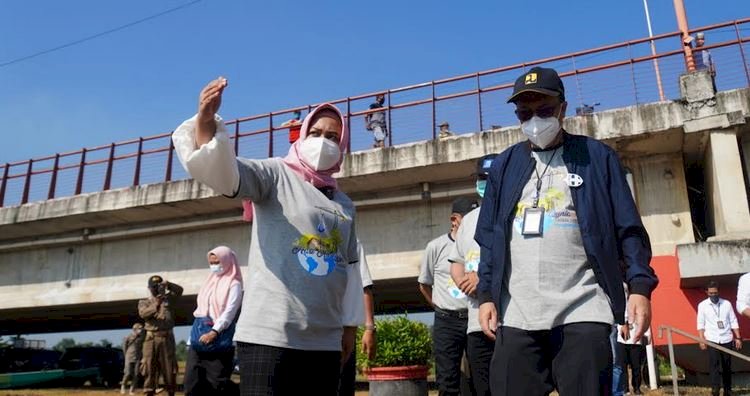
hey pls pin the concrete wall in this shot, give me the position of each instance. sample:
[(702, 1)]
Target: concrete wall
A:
[(661, 195)]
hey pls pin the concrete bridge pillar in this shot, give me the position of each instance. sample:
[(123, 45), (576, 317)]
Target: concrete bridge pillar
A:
[(725, 184)]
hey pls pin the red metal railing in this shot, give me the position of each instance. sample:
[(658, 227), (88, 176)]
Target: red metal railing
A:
[(607, 77)]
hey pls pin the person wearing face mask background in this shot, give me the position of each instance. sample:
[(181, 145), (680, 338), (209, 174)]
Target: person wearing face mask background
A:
[(556, 220), (464, 259), (303, 302), (210, 357), (717, 323)]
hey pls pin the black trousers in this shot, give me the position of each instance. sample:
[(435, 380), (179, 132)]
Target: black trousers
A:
[(274, 371), (633, 355), (479, 349), (575, 359), (348, 376), (209, 373), (449, 345), (720, 369)]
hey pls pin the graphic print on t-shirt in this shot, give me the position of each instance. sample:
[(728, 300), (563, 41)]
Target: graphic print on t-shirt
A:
[(318, 253), (556, 214), (470, 265)]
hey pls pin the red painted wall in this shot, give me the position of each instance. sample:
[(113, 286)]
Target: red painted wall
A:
[(677, 307)]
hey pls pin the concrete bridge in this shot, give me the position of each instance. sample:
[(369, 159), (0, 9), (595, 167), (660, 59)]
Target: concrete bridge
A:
[(81, 262)]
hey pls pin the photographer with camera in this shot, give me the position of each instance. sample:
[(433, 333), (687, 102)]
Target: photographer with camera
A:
[(158, 315)]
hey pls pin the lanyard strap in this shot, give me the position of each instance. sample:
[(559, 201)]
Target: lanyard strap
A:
[(539, 178)]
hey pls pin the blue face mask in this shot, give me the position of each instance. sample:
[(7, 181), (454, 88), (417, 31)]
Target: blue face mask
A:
[(481, 186)]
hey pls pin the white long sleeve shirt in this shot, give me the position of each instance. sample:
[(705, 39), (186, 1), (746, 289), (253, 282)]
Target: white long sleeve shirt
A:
[(717, 320), (743, 293)]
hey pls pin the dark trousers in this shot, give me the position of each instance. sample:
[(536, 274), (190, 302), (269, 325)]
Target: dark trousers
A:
[(720, 369), (348, 376), (209, 373), (575, 359), (633, 355), (449, 345), (479, 350), (274, 371)]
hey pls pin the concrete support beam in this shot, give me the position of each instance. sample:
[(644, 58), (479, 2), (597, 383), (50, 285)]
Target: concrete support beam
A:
[(725, 184), (661, 195)]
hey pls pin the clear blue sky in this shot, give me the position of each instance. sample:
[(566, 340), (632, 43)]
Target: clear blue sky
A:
[(145, 79)]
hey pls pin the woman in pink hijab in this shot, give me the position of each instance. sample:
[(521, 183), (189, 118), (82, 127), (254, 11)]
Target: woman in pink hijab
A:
[(303, 300), (210, 359)]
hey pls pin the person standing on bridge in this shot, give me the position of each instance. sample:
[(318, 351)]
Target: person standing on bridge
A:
[(303, 303), (557, 219), (717, 323), (464, 259), (448, 301), (158, 315), (375, 122), (210, 359), (132, 344)]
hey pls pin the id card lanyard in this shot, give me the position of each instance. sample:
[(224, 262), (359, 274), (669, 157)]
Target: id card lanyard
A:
[(717, 311), (533, 217)]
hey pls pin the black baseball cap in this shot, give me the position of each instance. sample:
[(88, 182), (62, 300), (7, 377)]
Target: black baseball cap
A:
[(539, 79), (154, 280), (484, 164), (463, 205)]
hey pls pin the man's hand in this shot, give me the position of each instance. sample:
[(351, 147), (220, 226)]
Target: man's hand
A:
[(738, 344), (625, 331), (208, 338), (639, 311), (369, 343), (348, 340), (488, 319), (702, 346), (469, 284)]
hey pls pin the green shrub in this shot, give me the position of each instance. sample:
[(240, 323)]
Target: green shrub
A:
[(401, 342)]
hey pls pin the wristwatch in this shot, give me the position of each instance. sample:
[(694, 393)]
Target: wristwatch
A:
[(371, 327)]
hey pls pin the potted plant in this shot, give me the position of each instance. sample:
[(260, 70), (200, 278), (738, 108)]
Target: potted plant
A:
[(402, 361)]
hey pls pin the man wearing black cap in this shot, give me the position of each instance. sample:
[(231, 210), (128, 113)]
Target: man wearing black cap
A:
[(448, 301), (464, 258), (557, 219), (158, 315)]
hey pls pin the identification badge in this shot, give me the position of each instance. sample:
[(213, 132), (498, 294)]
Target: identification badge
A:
[(573, 180), (720, 325), (533, 219)]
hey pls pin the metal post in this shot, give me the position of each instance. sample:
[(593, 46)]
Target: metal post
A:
[(652, 369), (632, 73), (742, 53), (4, 183), (389, 127), (682, 23), (81, 166), (653, 52), (672, 363), (479, 103), (237, 138), (108, 174), (137, 174), (349, 124), (434, 113), (170, 156), (27, 183), (270, 135), (53, 179)]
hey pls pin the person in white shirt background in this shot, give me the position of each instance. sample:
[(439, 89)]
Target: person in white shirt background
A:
[(629, 353), (717, 323), (211, 354), (743, 295)]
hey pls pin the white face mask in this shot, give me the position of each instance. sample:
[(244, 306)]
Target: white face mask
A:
[(541, 131), (216, 268), (320, 153)]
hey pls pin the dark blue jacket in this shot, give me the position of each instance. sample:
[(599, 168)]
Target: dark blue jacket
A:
[(610, 225)]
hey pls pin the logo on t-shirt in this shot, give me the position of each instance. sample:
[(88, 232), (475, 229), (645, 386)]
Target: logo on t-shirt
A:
[(318, 253)]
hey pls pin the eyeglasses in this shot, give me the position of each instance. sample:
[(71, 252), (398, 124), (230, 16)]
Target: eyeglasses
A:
[(543, 112)]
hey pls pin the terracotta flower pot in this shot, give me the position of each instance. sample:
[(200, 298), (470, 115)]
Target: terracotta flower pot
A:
[(402, 381)]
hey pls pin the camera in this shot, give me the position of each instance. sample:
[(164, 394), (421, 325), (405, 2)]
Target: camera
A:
[(161, 289)]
